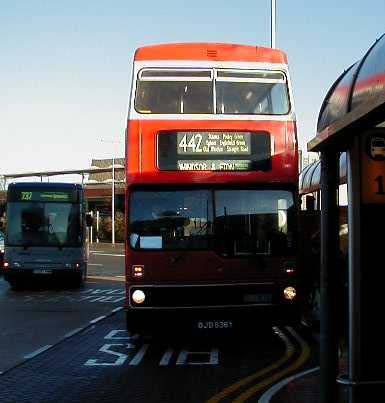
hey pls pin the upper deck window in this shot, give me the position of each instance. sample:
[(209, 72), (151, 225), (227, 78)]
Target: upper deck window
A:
[(251, 93), (174, 91), (209, 91)]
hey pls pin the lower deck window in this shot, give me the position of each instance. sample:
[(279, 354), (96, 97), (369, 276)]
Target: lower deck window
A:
[(231, 222)]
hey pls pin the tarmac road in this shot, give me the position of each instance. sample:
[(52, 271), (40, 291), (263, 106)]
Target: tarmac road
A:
[(59, 344)]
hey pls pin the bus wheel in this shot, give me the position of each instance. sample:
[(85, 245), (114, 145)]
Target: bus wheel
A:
[(15, 285), (134, 321), (79, 279)]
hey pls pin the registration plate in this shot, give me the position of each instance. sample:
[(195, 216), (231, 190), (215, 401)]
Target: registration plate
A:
[(257, 298), (214, 324), (42, 271)]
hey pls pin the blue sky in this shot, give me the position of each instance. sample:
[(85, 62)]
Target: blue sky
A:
[(65, 66)]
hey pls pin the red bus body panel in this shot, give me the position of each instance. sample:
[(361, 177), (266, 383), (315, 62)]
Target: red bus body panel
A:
[(211, 51), (162, 268), (142, 159)]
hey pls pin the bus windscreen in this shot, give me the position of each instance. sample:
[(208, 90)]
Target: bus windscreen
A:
[(231, 222), (44, 224)]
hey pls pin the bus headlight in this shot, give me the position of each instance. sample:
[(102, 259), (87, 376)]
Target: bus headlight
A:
[(289, 293), (138, 296)]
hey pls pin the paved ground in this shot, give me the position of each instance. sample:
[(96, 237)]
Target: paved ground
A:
[(105, 363), (106, 261), (40, 315), (59, 344)]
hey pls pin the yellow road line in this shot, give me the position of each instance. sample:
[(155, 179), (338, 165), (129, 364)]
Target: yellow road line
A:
[(305, 352), (235, 386)]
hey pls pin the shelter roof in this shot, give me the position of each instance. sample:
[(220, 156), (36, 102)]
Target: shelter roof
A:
[(356, 99)]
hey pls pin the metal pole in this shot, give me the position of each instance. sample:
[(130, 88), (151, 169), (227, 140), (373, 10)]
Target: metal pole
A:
[(113, 200), (91, 232), (273, 23), (329, 276), (97, 226), (354, 222)]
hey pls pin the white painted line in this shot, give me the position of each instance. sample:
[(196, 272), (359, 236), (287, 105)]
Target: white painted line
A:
[(95, 264), (121, 276), (96, 251), (120, 280), (119, 308), (166, 357), (266, 397), (36, 352), (97, 319), (139, 355), (69, 334), (108, 254)]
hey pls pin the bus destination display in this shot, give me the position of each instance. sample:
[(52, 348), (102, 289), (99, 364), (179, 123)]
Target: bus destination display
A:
[(213, 143), (43, 196), (214, 151)]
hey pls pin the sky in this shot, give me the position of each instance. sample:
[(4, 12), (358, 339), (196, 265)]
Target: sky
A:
[(65, 67)]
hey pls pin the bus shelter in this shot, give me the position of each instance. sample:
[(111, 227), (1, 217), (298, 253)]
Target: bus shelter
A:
[(352, 119)]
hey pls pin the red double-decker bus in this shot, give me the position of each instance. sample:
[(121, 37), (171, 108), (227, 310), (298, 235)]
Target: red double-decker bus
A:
[(212, 181)]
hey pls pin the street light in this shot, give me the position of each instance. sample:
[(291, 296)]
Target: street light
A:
[(112, 191), (273, 23)]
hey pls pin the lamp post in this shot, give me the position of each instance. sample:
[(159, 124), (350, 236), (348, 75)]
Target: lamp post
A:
[(273, 23), (112, 191), (113, 201)]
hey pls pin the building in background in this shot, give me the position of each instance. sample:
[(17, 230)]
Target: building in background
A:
[(306, 158), (98, 192)]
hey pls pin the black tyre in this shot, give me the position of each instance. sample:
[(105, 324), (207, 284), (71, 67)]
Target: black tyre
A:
[(141, 322), (79, 279), (15, 284)]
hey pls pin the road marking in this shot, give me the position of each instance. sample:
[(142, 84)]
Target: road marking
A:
[(119, 308), (138, 357), (112, 335), (37, 352), (166, 357), (97, 319), (213, 356), (95, 264), (305, 352), (106, 278), (235, 386), (120, 360), (108, 254), (266, 397), (72, 333)]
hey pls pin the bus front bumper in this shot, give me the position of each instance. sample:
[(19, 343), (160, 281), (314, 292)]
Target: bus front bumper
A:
[(24, 274)]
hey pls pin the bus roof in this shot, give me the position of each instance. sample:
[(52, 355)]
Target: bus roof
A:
[(210, 51), (47, 185)]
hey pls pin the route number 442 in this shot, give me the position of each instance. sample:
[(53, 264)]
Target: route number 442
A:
[(193, 144)]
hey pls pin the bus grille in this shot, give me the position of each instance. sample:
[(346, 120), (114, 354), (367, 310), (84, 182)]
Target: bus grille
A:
[(196, 296)]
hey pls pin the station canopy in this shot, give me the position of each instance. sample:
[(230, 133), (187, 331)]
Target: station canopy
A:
[(357, 95), (310, 177)]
